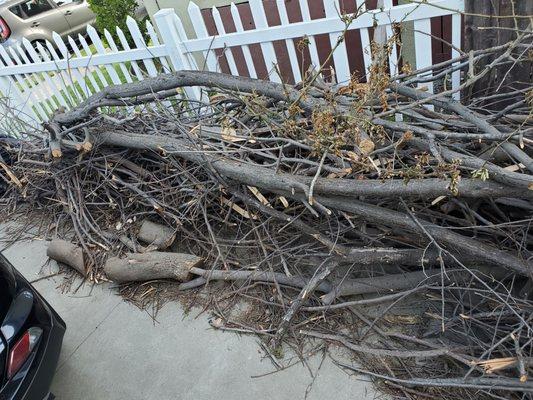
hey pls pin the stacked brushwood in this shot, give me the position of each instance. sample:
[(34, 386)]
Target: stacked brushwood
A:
[(376, 216)]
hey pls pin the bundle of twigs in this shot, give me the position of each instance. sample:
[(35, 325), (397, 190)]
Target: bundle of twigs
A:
[(316, 203)]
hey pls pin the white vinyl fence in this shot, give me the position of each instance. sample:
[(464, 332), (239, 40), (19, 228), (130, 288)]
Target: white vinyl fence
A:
[(35, 82)]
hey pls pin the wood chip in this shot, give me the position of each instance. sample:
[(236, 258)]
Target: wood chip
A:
[(238, 209), (259, 196), (438, 200), (284, 201), (11, 175), (514, 167), (496, 364)]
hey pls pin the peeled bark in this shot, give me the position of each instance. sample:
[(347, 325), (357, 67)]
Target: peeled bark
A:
[(151, 266)]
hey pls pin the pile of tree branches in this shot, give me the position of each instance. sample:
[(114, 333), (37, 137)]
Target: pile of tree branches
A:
[(375, 216)]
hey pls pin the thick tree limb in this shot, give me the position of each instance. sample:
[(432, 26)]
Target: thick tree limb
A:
[(169, 82), (270, 180), (457, 242)]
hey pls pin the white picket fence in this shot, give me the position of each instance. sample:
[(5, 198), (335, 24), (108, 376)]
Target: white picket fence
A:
[(35, 82)]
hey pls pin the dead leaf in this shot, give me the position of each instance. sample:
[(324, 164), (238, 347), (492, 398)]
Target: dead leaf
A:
[(366, 146), (217, 323), (353, 156)]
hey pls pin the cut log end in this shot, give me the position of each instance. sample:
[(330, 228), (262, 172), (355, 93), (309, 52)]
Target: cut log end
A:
[(67, 253), (87, 147), (57, 153)]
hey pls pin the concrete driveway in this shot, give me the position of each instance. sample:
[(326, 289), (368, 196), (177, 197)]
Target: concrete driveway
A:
[(114, 351)]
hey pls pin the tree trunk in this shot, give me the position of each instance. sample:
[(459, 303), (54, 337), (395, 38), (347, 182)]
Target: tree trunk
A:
[(487, 24)]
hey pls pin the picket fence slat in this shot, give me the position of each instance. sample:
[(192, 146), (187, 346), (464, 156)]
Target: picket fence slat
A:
[(269, 54), (58, 100), (291, 48), (88, 71), (201, 32), (365, 40), (140, 44), (100, 49), (340, 55), (64, 76), (5, 60), (61, 46), (56, 79), (88, 52), (125, 45), (456, 44), (171, 29), (43, 93), (313, 50), (25, 97), (393, 56), (148, 62), (228, 53), (40, 103), (245, 49), (113, 46), (404, 13), (155, 40), (422, 29)]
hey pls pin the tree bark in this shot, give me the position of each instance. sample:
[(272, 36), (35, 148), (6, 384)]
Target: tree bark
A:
[(67, 253), (150, 266)]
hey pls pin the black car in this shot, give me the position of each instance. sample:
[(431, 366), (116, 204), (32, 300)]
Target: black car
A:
[(31, 334)]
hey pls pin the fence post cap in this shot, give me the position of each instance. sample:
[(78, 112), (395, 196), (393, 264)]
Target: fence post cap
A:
[(164, 12)]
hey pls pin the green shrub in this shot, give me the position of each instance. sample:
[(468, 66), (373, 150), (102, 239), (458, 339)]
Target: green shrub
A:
[(112, 13)]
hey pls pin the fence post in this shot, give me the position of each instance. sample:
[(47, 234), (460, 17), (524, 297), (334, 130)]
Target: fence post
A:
[(169, 24)]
